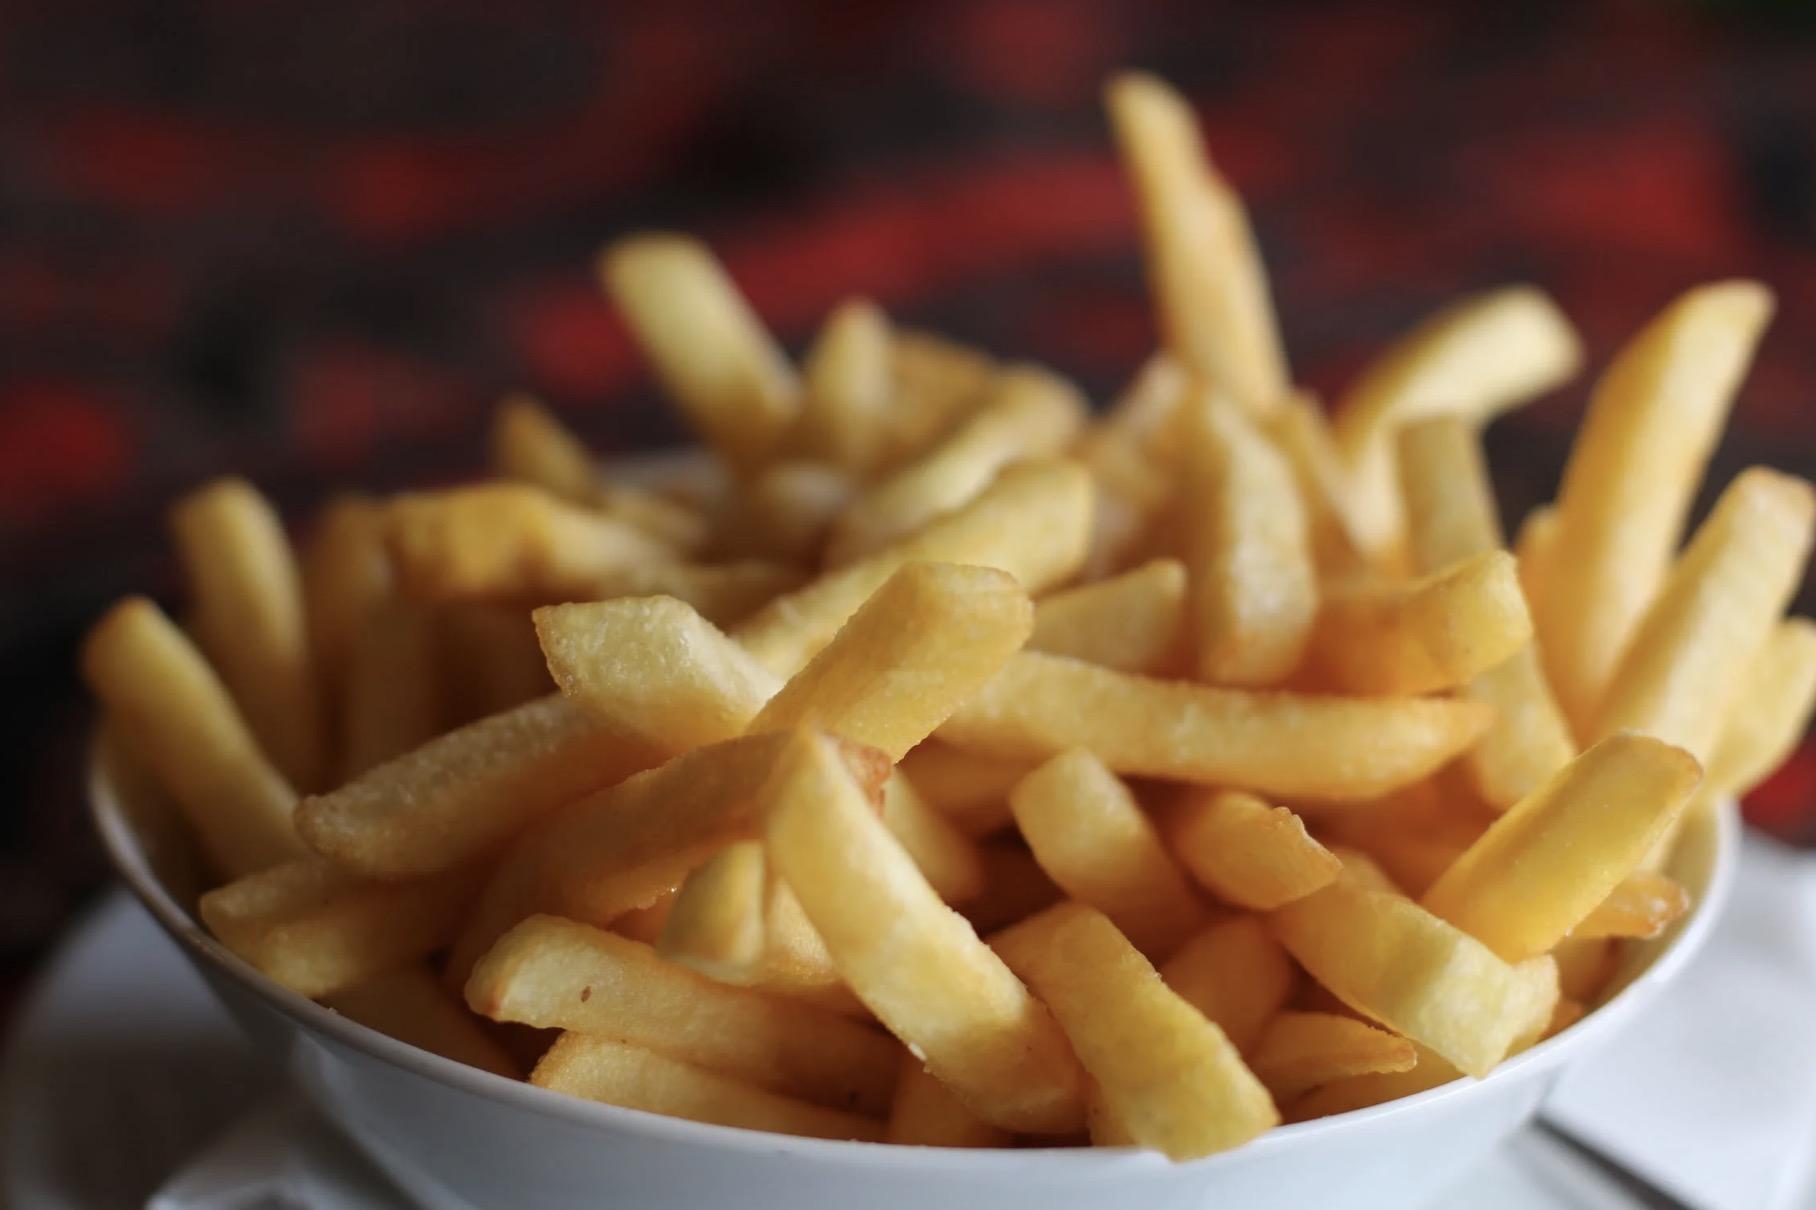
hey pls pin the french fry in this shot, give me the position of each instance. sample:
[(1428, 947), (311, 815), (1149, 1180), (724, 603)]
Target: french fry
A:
[(1642, 904), (1246, 852), (1290, 745), (1533, 547), (319, 930), (1771, 714), (345, 574), (1585, 966), (926, 1114), (604, 1069), (1413, 861), (1689, 656), (710, 351), (1167, 1074), (1299, 1051), (622, 847), (1093, 839), (784, 511), (1473, 359), (1451, 516), (795, 960), (653, 668), (1146, 413), (170, 710), (946, 856), (1431, 1070), (1210, 290), (715, 924), (849, 387), (1033, 522), (1254, 585), (393, 692), (466, 793), (912, 960), (936, 382), (530, 445), (411, 1005), (1236, 974), (247, 601), (923, 642), (723, 593), (1396, 963), (645, 924), (1541, 869), (490, 659), (970, 790), (1299, 428), (1132, 622), (1627, 487), (555, 973), (1435, 633), (508, 541), (1030, 413)]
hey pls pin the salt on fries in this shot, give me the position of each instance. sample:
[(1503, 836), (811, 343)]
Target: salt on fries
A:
[(937, 763)]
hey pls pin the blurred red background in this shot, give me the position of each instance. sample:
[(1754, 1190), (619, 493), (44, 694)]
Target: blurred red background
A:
[(313, 242)]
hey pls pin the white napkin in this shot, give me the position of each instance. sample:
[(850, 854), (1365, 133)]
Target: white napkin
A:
[(1711, 1096)]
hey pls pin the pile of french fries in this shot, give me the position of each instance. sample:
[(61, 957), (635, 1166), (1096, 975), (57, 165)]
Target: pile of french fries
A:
[(938, 762)]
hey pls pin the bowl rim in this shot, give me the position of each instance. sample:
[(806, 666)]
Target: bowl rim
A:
[(126, 856)]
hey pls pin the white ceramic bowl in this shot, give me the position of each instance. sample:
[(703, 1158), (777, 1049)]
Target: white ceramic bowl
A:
[(460, 1139)]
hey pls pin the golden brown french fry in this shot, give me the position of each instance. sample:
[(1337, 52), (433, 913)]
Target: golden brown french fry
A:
[(1299, 1051), (555, 973), (1146, 413), (1533, 548), (1033, 522), (1633, 471), (1291, 745), (604, 1069), (1451, 516), (970, 790), (715, 925), (1413, 861), (1205, 273), (784, 511), (1302, 433), (1771, 714), (1133, 622), (936, 381), (1437, 632), (708, 348), (490, 660), (345, 574), (1030, 413), (411, 1005), (1254, 585), (1359, 1092), (465, 793), (1474, 359), (1163, 1070), (622, 847), (319, 930), (1094, 840), (170, 710), (848, 374), (508, 541), (246, 599), (653, 668), (723, 593), (927, 1114), (1393, 961), (1690, 653), (1541, 869), (645, 924), (1584, 967), (1246, 852), (946, 856), (795, 960), (393, 689), (1640, 905), (923, 642), (1236, 974), (530, 445), (916, 963)]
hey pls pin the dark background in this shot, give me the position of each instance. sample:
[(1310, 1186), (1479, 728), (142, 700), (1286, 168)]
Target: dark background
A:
[(313, 240)]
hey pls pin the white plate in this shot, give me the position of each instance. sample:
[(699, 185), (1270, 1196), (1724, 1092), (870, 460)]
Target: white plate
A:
[(122, 1067)]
